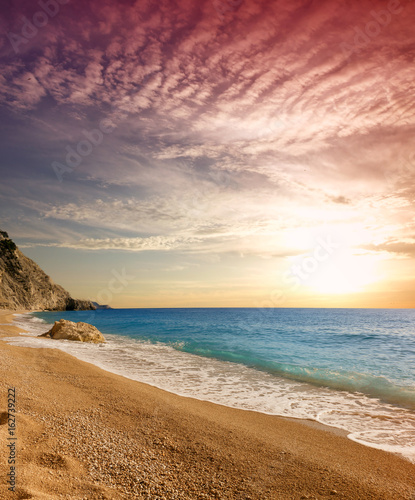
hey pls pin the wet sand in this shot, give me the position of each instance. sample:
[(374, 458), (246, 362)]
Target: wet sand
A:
[(84, 433)]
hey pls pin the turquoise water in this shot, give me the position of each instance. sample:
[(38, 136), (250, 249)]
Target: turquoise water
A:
[(366, 350), (349, 368)]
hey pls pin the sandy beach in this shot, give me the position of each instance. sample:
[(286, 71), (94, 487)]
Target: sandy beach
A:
[(84, 433)]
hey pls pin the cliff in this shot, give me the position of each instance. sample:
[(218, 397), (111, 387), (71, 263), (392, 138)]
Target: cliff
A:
[(23, 284)]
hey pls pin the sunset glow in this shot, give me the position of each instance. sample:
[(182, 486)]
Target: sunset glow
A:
[(214, 153)]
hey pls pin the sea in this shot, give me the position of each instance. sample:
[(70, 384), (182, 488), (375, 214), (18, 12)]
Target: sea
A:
[(353, 369)]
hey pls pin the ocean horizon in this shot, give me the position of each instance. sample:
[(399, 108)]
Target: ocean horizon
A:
[(353, 369)]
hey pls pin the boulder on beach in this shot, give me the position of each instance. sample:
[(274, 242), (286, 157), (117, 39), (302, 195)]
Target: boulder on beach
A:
[(82, 332)]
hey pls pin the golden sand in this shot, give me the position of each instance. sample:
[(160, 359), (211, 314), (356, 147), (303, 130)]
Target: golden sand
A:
[(84, 433)]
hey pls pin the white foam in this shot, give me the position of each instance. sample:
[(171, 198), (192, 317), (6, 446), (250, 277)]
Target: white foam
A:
[(30, 325), (367, 420)]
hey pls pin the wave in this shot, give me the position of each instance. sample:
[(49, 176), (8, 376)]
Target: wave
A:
[(343, 380), (33, 325), (169, 367), (293, 364)]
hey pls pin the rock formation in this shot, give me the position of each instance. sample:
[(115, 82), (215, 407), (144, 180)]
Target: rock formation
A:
[(82, 332), (23, 285), (101, 306)]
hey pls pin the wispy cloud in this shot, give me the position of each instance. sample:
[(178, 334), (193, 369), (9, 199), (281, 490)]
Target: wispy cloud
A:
[(158, 243), (228, 129)]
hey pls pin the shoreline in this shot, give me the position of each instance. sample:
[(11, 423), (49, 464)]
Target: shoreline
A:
[(357, 416), (306, 421), (138, 441)]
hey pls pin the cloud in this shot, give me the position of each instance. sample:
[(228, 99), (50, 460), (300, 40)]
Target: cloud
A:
[(155, 243), (395, 248), (238, 125), (340, 199)]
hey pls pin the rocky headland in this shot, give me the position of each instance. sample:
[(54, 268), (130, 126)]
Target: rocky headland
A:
[(23, 284)]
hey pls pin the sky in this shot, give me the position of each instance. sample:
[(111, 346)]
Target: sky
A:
[(218, 153)]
